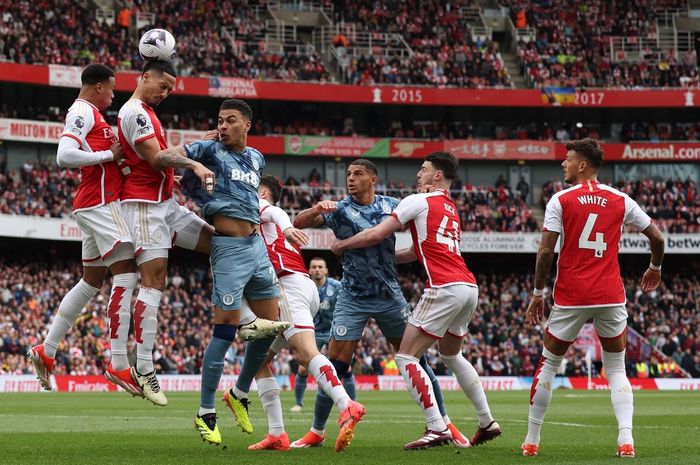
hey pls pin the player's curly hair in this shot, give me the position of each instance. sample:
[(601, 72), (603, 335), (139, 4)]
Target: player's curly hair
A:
[(589, 149)]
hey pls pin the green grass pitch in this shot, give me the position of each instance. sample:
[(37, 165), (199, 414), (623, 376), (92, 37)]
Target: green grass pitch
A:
[(113, 428)]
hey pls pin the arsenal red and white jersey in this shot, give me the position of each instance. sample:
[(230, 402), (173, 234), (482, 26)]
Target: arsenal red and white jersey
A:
[(434, 225), (102, 183), (137, 123), (285, 257), (590, 217)]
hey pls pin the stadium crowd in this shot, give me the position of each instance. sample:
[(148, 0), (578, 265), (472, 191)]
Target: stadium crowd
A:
[(42, 189), (673, 205), (659, 132), (61, 32), (668, 318), (572, 45), (500, 342)]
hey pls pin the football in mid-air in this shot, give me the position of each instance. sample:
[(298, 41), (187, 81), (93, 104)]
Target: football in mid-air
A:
[(157, 44)]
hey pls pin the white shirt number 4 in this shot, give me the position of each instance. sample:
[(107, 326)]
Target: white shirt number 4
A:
[(584, 242), (449, 237)]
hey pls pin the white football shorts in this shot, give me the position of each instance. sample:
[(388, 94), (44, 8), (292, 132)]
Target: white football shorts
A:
[(445, 309), (565, 324), (156, 227), (106, 236)]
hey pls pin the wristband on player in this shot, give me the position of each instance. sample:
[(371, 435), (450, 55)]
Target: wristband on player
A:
[(537, 292), (654, 267)]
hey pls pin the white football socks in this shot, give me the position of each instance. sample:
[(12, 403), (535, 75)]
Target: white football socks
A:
[(69, 310), (203, 411), (119, 311), (269, 394), (419, 385), (323, 371), (240, 394), (469, 381), (541, 394), (620, 394), (145, 325)]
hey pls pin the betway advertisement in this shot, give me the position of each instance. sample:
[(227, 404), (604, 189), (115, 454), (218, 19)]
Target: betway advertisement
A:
[(192, 383), (227, 87), (65, 229)]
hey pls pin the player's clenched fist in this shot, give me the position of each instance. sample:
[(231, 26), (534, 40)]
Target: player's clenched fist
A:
[(325, 206)]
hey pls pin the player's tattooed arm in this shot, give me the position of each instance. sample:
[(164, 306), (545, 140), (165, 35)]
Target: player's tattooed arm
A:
[(657, 244), (174, 157), (545, 257)]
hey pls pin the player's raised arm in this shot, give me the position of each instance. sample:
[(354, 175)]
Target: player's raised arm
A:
[(313, 217), (368, 237), (545, 257), (176, 157), (657, 244)]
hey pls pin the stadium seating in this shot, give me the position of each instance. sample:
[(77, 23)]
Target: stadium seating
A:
[(444, 51), (68, 33), (572, 45)]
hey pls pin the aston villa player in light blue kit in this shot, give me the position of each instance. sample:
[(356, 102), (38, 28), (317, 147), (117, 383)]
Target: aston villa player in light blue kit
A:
[(222, 177), (369, 288)]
